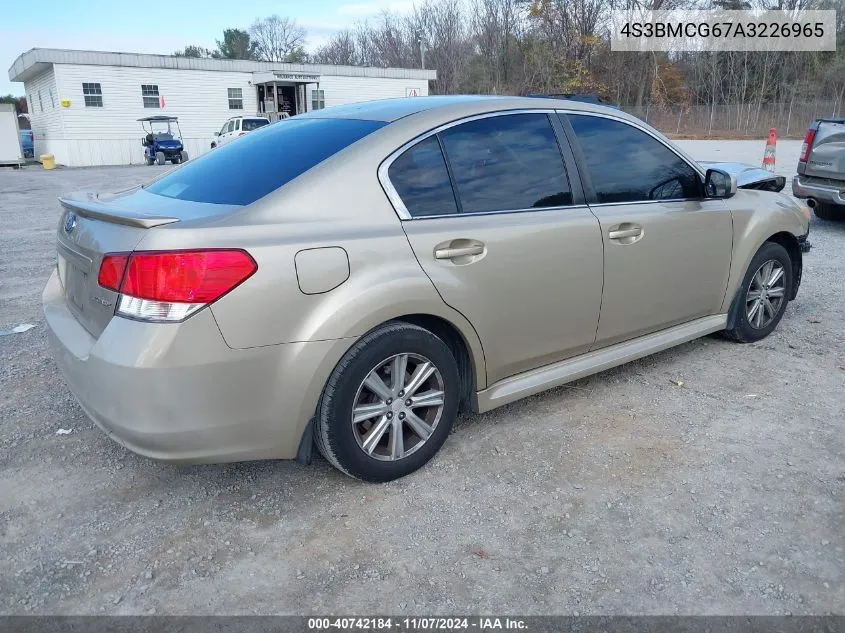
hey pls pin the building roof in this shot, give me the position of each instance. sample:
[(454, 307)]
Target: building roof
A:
[(37, 60)]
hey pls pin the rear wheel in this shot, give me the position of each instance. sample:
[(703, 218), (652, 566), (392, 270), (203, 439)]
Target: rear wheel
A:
[(825, 211), (183, 156), (149, 159), (160, 158), (389, 404), (764, 293)]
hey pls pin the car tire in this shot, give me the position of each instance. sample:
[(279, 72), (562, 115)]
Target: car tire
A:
[(368, 449), (160, 158), (825, 211), (213, 145), (183, 157), (149, 160), (754, 323)]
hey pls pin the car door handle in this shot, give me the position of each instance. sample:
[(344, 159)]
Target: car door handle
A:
[(458, 251), (619, 234)]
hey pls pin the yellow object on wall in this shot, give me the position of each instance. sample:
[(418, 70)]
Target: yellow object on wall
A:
[(65, 103)]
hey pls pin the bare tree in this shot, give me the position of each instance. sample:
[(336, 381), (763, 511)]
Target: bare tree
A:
[(278, 39), (340, 49)]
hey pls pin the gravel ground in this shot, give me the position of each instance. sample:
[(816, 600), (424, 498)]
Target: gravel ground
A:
[(621, 493)]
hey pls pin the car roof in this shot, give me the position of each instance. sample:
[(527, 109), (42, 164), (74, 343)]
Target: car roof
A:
[(389, 110)]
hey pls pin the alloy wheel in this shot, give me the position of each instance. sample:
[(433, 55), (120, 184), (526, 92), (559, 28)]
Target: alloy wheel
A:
[(766, 294), (397, 407)]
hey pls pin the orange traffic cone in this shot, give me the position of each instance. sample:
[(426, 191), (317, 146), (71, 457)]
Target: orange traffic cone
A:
[(769, 154)]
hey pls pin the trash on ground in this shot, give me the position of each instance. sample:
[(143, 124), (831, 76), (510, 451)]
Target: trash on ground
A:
[(678, 383), (18, 329), (64, 431), (814, 320)]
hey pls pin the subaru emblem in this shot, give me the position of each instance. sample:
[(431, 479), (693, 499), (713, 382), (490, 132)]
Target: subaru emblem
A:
[(70, 222)]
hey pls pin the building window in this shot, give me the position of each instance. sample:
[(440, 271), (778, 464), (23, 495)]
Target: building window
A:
[(318, 99), (236, 99), (93, 95), (150, 95), (40, 102), (52, 98)]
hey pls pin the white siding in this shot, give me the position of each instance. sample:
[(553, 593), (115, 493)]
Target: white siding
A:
[(111, 135), (44, 116), (199, 98), (342, 90)]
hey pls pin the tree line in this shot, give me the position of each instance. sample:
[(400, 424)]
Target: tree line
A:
[(561, 46)]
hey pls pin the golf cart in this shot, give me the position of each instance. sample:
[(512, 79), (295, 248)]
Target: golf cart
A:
[(163, 140)]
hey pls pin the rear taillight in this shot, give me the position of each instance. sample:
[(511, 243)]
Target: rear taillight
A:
[(111, 271), (807, 146), (172, 285)]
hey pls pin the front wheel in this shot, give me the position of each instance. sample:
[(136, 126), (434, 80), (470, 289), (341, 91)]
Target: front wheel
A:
[(149, 160), (389, 404), (764, 293), (160, 158)]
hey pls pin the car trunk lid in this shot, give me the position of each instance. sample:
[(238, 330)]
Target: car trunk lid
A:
[(92, 225), (826, 158)]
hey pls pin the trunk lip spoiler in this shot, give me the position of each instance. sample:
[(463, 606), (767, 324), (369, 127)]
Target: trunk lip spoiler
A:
[(100, 212)]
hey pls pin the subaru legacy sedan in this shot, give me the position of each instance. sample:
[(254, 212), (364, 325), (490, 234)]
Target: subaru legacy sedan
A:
[(354, 278)]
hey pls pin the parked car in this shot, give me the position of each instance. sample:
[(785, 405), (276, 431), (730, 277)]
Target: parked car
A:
[(237, 127), (821, 169), (355, 276)]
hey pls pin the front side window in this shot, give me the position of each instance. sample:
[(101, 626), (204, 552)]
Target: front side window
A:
[(93, 94), (230, 126), (236, 98), (149, 93), (627, 165), (259, 163), (507, 163), (318, 99), (421, 179)]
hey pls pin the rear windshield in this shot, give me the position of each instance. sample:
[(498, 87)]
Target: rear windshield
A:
[(253, 124), (240, 173)]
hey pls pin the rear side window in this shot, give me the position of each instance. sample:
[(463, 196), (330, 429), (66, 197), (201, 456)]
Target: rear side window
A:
[(421, 179), (249, 125), (241, 173), (627, 165), (507, 163)]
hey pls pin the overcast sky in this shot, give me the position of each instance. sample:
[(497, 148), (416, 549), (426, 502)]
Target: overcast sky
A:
[(161, 26)]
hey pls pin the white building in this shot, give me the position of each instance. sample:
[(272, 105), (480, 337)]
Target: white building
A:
[(85, 105)]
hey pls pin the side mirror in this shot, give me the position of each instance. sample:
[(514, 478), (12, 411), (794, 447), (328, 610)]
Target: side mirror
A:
[(217, 134), (719, 184)]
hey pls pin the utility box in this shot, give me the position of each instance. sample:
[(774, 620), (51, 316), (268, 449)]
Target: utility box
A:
[(10, 136)]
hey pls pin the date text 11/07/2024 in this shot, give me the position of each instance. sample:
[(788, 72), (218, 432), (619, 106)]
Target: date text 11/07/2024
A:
[(416, 624)]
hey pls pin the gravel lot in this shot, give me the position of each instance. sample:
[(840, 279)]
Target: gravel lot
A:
[(622, 493)]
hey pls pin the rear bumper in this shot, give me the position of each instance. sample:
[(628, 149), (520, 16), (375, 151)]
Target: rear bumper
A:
[(822, 193), (177, 392)]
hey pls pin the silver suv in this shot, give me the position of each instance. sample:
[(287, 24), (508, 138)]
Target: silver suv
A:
[(821, 169)]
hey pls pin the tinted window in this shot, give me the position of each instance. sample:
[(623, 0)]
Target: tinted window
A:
[(261, 162), (420, 178), (506, 163), (253, 124), (626, 164)]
